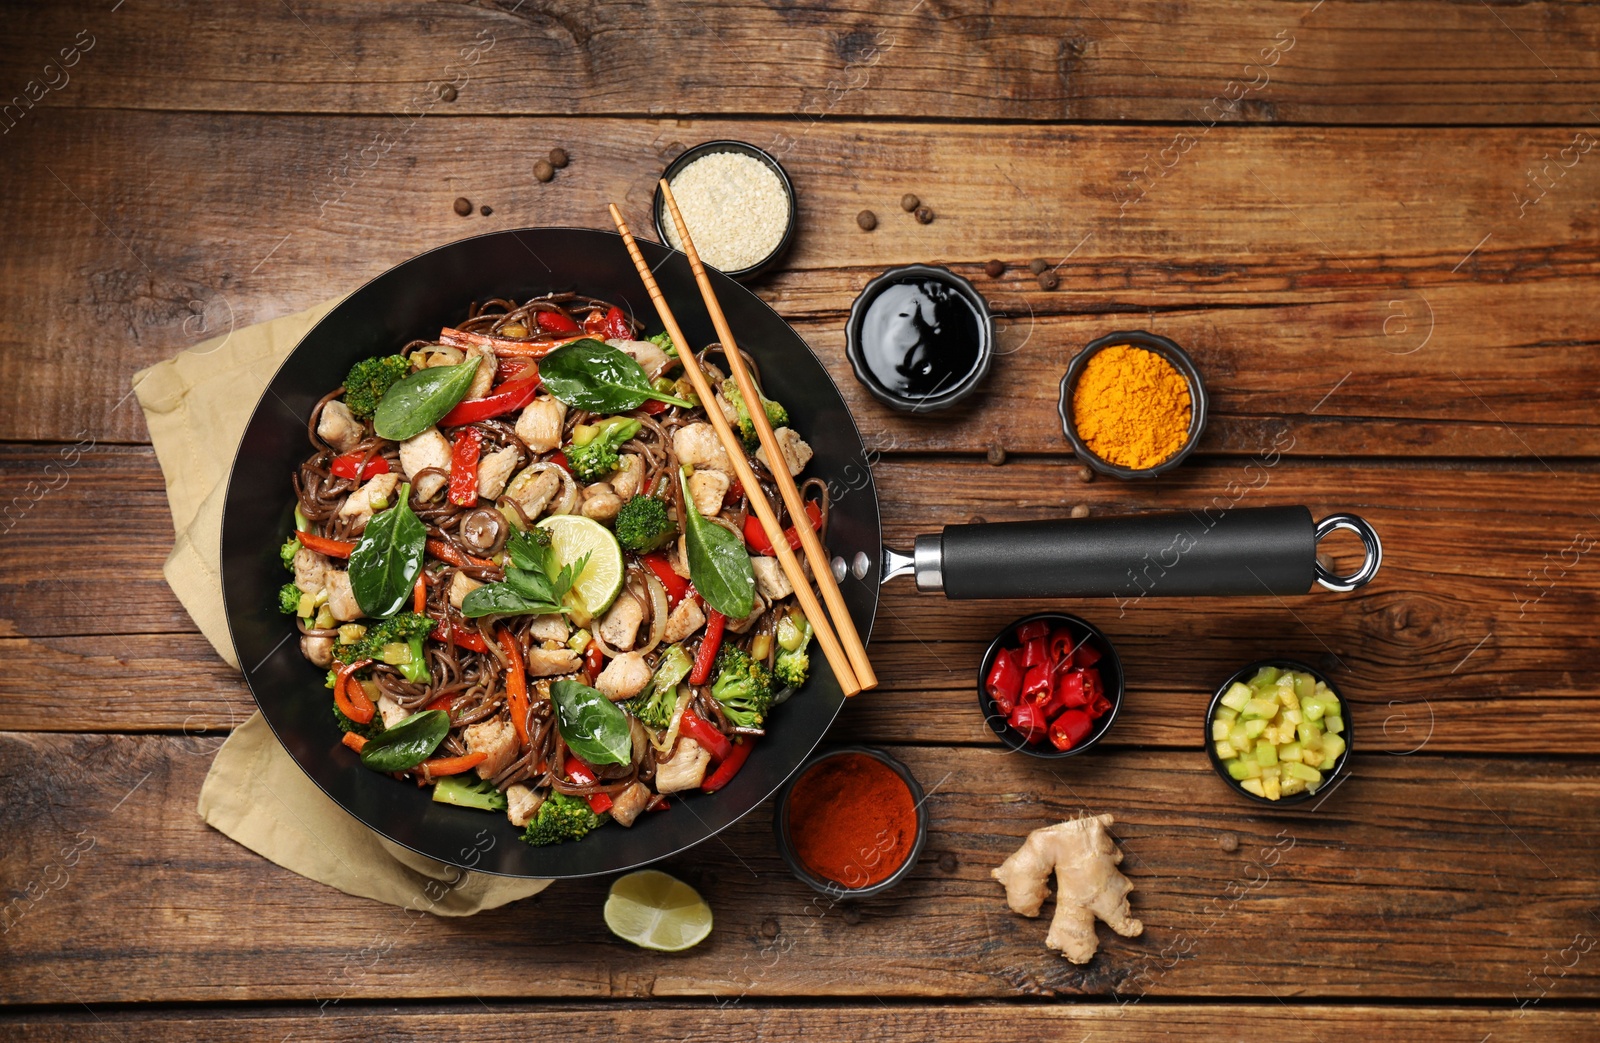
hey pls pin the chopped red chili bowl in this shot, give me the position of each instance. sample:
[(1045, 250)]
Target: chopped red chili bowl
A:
[(1046, 684)]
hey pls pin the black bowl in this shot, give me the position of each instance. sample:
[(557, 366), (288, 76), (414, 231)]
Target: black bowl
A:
[(662, 218), (833, 889), (1110, 666), (414, 300), (1329, 776), (949, 397), (1167, 350)]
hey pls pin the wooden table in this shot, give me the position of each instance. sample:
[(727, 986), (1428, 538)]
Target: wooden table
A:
[(1373, 223)]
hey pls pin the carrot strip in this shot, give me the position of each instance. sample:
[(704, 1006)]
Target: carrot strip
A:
[(419, 595), (453, 765), (323, 545), (535, 349), (446, 552), (354, 741), (516, 685)]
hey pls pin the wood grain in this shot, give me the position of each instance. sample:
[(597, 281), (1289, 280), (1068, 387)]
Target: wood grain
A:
[(1419, 878), (1376, 290), (514, 1023), (1340, 61)]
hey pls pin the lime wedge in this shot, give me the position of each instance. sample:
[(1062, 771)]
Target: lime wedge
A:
[(572, 536), (655, 911)]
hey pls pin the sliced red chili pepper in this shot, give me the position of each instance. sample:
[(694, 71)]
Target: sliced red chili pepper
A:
[(323, 545), (1070, 690), (1029, 720), (1100, 707), (507, 398), (464, 468), (350, 466), (676, 586), (1028, 631), (446, 551), (441, 766), (706, 734), (1036, 684), (730, 767), (1004, 683), (1035, 652), (556, 322), (516, 684), (1069, 729), (1087, 654), (1061, 646), (350, 697), (755, 536), (706, 658), (1093, 686)]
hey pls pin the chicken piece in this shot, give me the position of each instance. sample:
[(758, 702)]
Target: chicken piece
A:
[(339, 427), (495, 469), (550, 628), (341, 599), (708, 488), (601, 502), (319, 650), (619, 627), (627, 805), (649, 356), (498, 739), (390, 711), (684, 620), (698, 446), (310, 570), (771, 580), (522, 804), (420, 452), (624, 677), (540, 423), (685, 769), (358, 506), (628, 479), (483, 376), (460, 586), (548, 662), (796, 453), (533, 490), (739, 626)]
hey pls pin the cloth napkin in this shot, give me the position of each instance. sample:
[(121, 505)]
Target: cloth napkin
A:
[(196, 406)]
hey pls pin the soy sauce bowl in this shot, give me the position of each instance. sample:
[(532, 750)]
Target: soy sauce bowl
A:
[(1110, 667), (1330, 778), (1166, 349), (857, 349), (744, 148)]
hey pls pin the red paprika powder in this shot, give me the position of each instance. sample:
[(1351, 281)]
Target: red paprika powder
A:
[(852, 820)]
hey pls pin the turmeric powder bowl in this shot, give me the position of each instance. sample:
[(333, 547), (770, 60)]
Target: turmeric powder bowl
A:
[(1132, 404)]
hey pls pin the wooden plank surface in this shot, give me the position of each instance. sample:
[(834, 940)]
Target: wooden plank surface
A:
[(512, 1023), (1419, 877), (1376, 290), (1337, 61)]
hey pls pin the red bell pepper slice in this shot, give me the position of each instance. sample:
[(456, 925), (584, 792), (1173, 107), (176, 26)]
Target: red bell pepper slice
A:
[(323, 545), (464, 468), (444, 702), (350, 697), (1029, 720), (440, 766), (516, 684), (730, 767), (350, 466), (471, 640), (611, 325), (706, 658), (706, 734), (583, 775), (654, 406), (755, 537), (1070, 729), (560, 460), (556, 322), (1004, 682), (508, 397), (593, 659), (676, 586), (1036, 629)]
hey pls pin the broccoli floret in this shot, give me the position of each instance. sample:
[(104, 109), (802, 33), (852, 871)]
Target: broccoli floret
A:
[(655, 704), (743, 687), (663, 340), (469, 791), (593, 452), (289, 599), (793, 662), (371, 730), (369, 379), (643, 525), (396, 641), (777, 416), (791, 668), (562, 818), (290, 548)]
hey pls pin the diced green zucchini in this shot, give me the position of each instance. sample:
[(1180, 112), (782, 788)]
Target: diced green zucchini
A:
[(1332, 747), (1304, 684), (1313, 708), (1239, 737), (1263, 708), (1272, 789), (1308, 732), (1219, 730), (1225, 750), (1236, 696), (1254, 786), (1291, 786), (1254, 728), (1292, 716), (1289, 751), (1266, 754), (1226, 714), (1236, 769), (1334, 723), (1264, 676), (1295, 769)]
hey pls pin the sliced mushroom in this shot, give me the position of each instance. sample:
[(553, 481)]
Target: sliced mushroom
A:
[(484, 530), (601, 502)]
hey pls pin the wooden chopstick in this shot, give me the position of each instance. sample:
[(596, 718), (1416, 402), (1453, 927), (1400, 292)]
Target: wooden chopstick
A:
[(837, 659), (816, 554)]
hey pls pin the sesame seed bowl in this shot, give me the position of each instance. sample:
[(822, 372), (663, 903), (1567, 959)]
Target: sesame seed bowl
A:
[(738, 201)]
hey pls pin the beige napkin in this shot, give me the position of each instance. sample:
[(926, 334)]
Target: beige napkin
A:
[(196, 406)]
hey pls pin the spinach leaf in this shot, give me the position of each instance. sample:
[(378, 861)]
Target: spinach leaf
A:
[(719, 566), (504, 599), (417, 402), (385, 564), (592, 726), (588, 374), (408, 743), (533, 584)]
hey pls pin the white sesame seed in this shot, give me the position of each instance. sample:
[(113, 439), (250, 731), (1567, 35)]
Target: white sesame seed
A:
[(735, 207)]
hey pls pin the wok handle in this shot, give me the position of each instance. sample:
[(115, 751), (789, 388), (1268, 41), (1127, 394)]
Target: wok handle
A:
[(1242, 551)]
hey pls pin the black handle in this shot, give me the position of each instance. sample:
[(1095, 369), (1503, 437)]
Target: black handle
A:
[(1257, 550)]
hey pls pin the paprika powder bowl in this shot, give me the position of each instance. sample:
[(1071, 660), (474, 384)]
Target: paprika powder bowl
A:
[(1109, 665), (1160, 346), (783, 828)]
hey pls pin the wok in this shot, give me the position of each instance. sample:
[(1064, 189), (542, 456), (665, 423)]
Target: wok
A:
[(1237, 552)]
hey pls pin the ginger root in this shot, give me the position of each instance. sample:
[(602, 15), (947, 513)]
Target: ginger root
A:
[(1088, 884)]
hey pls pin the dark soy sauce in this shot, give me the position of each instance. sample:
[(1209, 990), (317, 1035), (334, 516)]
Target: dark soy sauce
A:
[(919, 338)]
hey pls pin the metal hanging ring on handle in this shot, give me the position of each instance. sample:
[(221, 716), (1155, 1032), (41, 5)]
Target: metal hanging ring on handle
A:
[(1369, 540)]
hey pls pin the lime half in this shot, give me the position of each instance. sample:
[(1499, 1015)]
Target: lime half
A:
[(572, 536), (656, 911)]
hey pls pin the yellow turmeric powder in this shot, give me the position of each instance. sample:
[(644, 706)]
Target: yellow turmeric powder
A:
[(1131, 407)]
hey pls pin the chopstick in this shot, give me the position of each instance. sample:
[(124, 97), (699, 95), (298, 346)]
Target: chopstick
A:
[(831, 648), (821, 564)]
